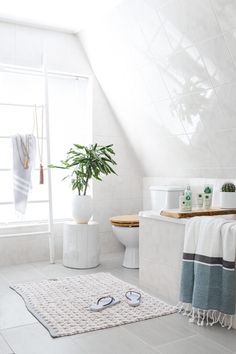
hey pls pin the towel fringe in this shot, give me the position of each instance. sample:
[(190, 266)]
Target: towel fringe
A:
[(205, 317)]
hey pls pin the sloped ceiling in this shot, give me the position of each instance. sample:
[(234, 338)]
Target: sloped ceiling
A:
[(63, 15), (168, 70)]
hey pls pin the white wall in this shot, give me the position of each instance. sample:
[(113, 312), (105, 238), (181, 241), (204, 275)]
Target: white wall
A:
[(196, 184), (24, 46), (116, 195), (168, 69)]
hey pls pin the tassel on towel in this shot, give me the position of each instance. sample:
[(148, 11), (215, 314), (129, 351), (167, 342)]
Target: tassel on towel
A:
[(203, 317), (41, 175)]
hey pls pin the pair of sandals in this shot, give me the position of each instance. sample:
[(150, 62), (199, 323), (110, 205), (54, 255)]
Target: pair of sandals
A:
[(133, 297)]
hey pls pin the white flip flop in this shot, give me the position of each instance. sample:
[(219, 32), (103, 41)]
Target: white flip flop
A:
[(133, 297), (103, 303)]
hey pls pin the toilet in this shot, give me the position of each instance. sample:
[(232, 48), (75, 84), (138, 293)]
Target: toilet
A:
[(126, 227), (126, 230)]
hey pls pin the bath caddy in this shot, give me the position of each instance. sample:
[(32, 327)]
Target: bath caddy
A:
[(175, 213)]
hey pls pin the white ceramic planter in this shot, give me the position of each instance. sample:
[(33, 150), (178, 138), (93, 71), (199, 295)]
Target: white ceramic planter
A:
[(82, 208), (228, 200)]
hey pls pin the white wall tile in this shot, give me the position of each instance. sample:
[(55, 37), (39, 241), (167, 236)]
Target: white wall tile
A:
[(225, 146), (147, 19), (218, 61), (230, 39), (226, 13), (154, 83), (226, 101), (185, 72), (184, 60), (189, 21)]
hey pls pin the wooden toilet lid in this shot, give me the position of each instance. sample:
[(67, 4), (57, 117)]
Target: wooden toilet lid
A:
[(125, 220)]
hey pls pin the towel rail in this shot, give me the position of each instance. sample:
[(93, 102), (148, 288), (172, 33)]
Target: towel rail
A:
[(21, 105), (10, 169), (43, 72), (9, 137), (29, 201)]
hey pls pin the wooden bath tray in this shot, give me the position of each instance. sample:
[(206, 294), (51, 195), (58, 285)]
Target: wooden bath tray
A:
[(175, 213)]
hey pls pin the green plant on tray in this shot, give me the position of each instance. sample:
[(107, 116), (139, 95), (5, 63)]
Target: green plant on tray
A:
[(228, 187)]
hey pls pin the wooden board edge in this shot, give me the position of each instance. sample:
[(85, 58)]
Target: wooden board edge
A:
[(190, 214)]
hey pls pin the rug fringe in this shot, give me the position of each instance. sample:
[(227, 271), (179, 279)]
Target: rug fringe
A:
[(205, 317)]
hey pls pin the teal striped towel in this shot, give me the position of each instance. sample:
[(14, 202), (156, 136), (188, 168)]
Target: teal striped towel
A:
[(207, 291)]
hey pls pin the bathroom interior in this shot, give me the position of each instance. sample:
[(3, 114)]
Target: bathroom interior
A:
[(118, 174)]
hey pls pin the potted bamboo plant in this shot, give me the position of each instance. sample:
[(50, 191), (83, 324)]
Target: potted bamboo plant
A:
[(85, 163)]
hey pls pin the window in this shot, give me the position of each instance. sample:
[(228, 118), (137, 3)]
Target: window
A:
[(69, 121)]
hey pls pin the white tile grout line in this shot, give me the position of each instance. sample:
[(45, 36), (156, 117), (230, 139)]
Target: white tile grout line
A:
[(175, 341), (140, 339), (4, 339), (195, 334), (192, 336), (16, 265), (38, 324), (167, 325)]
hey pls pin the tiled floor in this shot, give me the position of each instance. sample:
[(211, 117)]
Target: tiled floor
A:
[(20, 333)]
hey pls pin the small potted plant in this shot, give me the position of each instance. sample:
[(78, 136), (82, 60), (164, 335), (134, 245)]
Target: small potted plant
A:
[(228, 196), (85, 163)]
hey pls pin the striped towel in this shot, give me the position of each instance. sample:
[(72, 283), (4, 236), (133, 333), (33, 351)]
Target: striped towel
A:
[(207, 291), (21, 175)]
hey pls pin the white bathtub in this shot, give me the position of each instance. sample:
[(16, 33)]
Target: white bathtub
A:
[(161, 241)]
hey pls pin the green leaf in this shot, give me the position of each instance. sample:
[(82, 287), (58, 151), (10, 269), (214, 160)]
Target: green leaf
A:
[(86, 162), (78, 146)]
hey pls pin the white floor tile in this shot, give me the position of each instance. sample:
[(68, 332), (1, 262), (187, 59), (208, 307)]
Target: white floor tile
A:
[(21, 272), (4, 285), (35, 339), (128, 275), (108, 263), (219, 335), (13, 312), (4, 347), (155, 332), (113, 340), (194, 345), (22, 334), (179, 323)]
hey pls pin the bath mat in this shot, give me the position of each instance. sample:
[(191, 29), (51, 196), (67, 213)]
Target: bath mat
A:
[(62, 305)]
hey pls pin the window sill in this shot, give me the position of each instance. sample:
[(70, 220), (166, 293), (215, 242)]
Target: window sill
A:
[(29, 228)]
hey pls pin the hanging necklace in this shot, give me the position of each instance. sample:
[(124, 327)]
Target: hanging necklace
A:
[(23, 150), (40, 144)]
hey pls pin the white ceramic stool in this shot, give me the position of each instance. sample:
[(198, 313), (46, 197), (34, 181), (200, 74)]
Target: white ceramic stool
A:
[(81, 245)]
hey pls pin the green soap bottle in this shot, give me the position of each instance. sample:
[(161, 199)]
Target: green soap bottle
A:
[(188, 198)]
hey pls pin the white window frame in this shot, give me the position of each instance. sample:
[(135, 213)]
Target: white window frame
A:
[(45, 73)]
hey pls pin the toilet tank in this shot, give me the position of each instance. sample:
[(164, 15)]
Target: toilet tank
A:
[(165, 197)]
